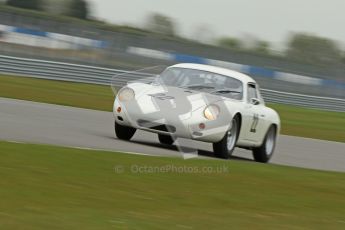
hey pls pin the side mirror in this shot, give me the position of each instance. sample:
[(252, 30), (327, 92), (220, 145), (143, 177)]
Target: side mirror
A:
[(255, 101)]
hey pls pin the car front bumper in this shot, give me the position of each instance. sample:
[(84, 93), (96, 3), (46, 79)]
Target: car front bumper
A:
[(184, 126)]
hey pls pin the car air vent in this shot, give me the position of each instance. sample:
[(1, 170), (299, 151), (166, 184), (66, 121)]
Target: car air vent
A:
[(156, 126)]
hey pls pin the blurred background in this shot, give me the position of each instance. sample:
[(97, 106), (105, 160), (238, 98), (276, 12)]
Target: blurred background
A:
[(258, 40)]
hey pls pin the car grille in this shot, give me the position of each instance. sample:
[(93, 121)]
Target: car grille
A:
[(156, 126)]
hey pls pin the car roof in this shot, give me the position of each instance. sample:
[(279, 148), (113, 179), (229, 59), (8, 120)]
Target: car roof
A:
[(218, 70)]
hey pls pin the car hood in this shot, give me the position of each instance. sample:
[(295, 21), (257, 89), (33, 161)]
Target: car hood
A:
[(169, 102), (179, 96)]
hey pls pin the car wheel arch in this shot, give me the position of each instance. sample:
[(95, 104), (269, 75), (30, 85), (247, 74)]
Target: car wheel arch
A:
[(275, 126), (239, 116)]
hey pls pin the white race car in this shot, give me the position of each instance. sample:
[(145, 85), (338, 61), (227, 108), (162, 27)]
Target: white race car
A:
[(203, 103)]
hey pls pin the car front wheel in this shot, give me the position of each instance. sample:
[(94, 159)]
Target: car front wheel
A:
[(124, 132), (225, 147), (264, 153)]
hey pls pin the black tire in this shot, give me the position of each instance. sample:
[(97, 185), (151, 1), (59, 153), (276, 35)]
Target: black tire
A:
[(165, 139), (264, 153), (124, 132), (220, 148)]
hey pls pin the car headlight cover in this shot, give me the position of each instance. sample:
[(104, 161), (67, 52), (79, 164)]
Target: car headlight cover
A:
[(126, 94), (211, 112)]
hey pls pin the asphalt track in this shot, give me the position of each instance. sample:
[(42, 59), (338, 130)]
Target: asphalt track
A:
[(31, 122)]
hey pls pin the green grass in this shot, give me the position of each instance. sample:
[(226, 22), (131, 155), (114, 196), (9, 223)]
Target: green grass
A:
[(296, 121), (45, 187), (304, 122), (57, 92)]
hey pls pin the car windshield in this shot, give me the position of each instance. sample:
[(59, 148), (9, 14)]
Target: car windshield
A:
[(202, 81)]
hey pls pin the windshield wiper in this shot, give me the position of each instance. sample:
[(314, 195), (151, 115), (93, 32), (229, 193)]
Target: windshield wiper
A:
[(225, 91), (199, 86)]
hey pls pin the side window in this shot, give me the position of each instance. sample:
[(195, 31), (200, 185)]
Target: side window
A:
[(252, 93)]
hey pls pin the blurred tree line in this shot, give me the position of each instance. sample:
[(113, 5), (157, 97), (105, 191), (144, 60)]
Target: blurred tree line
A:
[(26, 4), (71, 8), (301, 47), (313, 49), (161, 24)]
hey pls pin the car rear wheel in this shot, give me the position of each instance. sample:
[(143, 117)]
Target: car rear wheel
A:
[(165, 139), (225, 147), (264, 153), (124, 132)]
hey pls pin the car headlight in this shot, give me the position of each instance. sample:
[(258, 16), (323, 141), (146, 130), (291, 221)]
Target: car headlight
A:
[(211, 112), (126, 94)]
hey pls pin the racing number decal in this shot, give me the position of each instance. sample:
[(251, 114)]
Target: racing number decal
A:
[(255, 123)]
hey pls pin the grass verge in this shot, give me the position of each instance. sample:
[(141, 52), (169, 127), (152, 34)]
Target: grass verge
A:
[(312, 123), (81, 95), (296, 121), (46, 187)]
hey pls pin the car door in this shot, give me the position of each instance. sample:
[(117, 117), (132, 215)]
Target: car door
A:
[(253, 114)]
